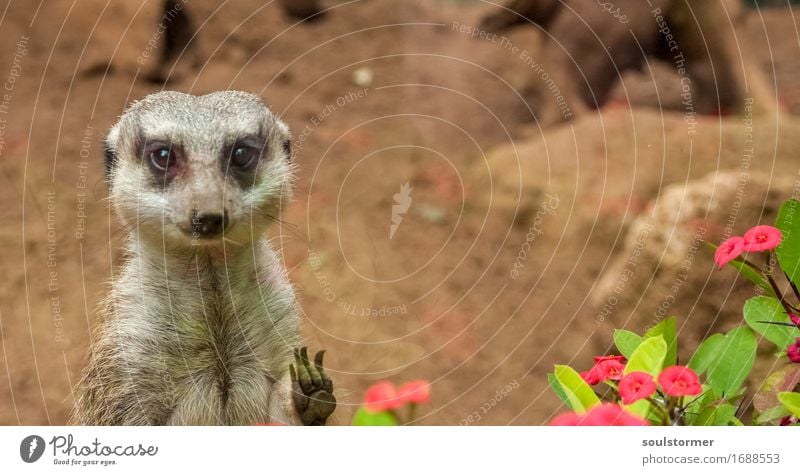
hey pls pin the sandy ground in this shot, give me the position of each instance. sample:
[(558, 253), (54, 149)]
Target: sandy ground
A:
[(437, 299)]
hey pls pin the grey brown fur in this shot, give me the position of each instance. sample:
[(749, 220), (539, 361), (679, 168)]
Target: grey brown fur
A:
[(194, 330)]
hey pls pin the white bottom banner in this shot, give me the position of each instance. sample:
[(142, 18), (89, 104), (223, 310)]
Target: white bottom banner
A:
[(398, 450)]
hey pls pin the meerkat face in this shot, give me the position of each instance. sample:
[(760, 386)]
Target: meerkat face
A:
[(199, 170)]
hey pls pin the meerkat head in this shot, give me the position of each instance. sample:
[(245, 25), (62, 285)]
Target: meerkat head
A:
[(194, 170)]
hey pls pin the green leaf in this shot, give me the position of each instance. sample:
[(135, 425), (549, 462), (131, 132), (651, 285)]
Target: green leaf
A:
[(716, 415), (626, 342), (771, 414), (695, 406), (648, 357), (782, 380), (736, 356), (667, 329), (706, 353), (365, 418), (748, 272), (580, 396), (788, 251), (791, 401), (758, 310), (556, 387)]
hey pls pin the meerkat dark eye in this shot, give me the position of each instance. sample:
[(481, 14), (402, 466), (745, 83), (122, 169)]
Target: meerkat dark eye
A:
[(161, 156), (244, 157), (244, 154)]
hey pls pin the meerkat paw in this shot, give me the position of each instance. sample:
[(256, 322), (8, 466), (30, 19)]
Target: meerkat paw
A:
[(312, 389)]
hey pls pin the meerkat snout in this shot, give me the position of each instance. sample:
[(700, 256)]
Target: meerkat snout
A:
[(209, 225), (194, 170)]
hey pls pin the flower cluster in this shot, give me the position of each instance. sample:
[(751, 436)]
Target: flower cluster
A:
[(646, 386), (605, 368), (793, 351), (763, 238), (757, 239), (607, 414), (674, 381), (383, 396)]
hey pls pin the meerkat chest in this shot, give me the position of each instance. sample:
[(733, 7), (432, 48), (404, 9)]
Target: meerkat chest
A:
[(220, 341)]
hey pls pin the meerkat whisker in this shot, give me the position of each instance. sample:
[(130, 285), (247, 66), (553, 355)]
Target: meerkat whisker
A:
[(227, 239)]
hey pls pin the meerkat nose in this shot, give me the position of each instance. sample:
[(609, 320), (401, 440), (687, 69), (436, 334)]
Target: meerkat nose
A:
[(209, 225)]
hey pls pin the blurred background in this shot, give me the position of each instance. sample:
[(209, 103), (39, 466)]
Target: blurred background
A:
[(484, 189)]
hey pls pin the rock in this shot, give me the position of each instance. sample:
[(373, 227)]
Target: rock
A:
[(664, 268), (301, 9), (363, 76), (607, 167)]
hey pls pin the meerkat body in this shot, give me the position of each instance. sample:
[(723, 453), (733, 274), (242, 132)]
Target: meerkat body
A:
[(200, 324)]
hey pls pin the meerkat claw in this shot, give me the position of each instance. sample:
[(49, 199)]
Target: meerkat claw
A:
[(312, 388)]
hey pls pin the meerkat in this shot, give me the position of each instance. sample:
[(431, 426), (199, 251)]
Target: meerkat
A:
[(200, 325)]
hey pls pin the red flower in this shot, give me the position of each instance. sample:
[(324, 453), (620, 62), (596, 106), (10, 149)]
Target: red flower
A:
[(795, 319), (605, 367), (417, 392), (609, 369), (680, 381), (611, 415), (793, 351), (598, 359), (762, 238), (729, 250), (567, 419), (607, 414), (636, 385), (785, 421), (590, 377), (382, 396)]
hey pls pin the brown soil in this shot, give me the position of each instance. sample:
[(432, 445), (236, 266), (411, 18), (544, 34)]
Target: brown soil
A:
[(437, 300)]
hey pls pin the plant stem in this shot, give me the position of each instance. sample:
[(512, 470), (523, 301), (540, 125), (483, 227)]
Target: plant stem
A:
[(664, 412), (774, 285), (794, 287), (750, 264), (679, 410)]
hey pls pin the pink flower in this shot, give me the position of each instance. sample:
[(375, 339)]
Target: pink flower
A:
[(762, 238), (793, 351), (590, 377), (382, 396), (605, 367), (599, 359), (611, 415), (607, 414), (729, 250), (416, 392), (680, 381), (795, 319), (635, 386), (609, 369), (567, 419), (785, 421)]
